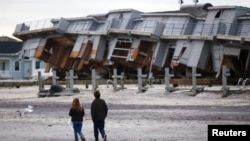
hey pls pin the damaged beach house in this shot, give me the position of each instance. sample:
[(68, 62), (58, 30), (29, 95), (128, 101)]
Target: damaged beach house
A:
[(201, 35)]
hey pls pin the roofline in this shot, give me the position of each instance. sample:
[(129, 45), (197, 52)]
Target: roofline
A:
[(9, 39), (244, 18), (123, 10), (168, 14), (227, 7), (82, 18), (9, 54), (98, 15)]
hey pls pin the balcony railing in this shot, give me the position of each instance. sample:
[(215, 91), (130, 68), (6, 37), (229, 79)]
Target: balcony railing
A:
[(174, 29), (146, 26), (117, 23), (243, 30), (207, 29), (39, 24), (103, 26), (79, 26)]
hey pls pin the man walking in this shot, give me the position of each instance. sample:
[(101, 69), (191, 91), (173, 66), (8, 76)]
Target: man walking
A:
[(99, 111)]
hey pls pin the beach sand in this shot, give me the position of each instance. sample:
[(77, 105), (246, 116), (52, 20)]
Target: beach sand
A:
[(150, 116)]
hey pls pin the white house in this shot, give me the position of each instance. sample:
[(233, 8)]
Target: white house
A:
[(11, 67)]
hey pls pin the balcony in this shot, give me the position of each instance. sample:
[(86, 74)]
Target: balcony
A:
[(119, 26), (243, 30), (138, 27), (147, 28), (35, 28), (206, 31)]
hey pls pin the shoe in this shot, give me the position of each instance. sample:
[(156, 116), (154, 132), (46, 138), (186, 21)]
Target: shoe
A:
[(105, 138), (82, 138)]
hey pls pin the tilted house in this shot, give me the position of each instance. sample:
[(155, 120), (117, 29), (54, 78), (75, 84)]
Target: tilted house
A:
[(199, 36)]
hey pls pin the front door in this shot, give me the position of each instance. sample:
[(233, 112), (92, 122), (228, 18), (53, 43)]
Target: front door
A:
[(27, 69)]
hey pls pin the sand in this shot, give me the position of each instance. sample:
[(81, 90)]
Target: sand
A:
[(150, 116)]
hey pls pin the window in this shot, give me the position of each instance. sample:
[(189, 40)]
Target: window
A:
[(2, 67), (17, 66), (38, 64), (182, 51), (218, 15)]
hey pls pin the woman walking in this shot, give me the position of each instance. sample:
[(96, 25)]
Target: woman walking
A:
[(77, 112)]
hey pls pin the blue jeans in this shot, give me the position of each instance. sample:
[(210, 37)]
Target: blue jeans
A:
[(77, 126), (99, 126)]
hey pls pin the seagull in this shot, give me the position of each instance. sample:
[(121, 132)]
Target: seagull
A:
[(109, 81), (25, 110)]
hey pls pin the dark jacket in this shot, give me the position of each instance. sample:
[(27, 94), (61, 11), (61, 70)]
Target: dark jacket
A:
[(76, 115), (99, 109)]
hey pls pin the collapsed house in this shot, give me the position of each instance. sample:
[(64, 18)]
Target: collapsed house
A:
[(201, 36)]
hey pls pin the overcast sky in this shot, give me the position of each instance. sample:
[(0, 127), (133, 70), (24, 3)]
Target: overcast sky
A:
[(13, 12)]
